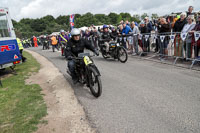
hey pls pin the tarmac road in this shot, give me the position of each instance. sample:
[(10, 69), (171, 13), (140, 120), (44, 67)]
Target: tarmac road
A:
[(139, 96)]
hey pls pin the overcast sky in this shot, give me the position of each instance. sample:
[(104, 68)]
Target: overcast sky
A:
[(38, 8)]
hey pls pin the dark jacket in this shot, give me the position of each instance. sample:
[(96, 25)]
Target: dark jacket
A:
[(76, 47), (149, 27), (165, 28), (144, 29), (114, 34), (106, 37), (188, 14), (178, 26)]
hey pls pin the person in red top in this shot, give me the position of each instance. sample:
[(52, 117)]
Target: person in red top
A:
[(35, 41)]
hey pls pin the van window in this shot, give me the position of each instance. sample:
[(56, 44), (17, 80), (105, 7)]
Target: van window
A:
[(4, 27)]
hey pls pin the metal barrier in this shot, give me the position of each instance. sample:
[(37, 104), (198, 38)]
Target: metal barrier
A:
[(173, 44), (170, 44)]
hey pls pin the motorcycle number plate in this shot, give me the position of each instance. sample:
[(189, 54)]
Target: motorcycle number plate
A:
[(87, 60)]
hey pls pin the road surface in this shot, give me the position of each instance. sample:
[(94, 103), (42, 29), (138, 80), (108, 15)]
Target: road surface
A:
[(139, 96)]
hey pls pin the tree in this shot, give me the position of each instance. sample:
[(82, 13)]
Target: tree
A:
[(48, 19), (114, 18), (144, 15), (136, 18), (125, 16), (154, 16), (86, 20), (38, 25), (62, 20)]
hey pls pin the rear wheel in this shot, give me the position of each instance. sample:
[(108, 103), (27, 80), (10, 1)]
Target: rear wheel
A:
[(95, 83), (122, 54)]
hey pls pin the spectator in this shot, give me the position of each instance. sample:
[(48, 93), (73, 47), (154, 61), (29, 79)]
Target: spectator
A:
[(120, 29), (163, 29), (157, 23), (136, 24), (197, 44), (187, 28), (114, 33), (119, 32), (94, 37), (148, 24), (190, 11), (99, 29), (87, 34), (121, 22), (178, 26), (149, 29), (142, 42), (136, 32), (126, 30), (127, 23)]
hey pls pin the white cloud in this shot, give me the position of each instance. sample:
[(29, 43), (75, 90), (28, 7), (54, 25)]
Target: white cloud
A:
[(38, 8)]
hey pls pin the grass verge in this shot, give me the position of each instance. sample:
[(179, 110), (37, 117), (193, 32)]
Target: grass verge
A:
[(21, 106)]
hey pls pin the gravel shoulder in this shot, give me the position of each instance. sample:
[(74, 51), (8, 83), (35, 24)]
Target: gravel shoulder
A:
[(65, 114)]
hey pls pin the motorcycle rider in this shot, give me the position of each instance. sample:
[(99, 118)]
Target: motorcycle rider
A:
[(75, 46), (62, 39), (106, 37)]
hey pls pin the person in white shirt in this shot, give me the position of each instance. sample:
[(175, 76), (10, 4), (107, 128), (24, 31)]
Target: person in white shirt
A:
[(186, 29), (136, 32)]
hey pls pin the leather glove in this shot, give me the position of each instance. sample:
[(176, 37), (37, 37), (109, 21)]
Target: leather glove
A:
[(69, 58), (97, 52)]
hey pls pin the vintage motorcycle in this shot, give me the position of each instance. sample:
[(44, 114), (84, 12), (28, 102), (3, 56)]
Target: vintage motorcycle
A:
[(88, 73), (116, 51)]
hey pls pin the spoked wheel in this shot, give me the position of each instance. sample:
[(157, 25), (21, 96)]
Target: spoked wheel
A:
[(95, 83), (122, 55), (104, 55)]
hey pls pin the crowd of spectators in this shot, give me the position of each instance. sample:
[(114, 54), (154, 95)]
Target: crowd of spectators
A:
[(163, 26)]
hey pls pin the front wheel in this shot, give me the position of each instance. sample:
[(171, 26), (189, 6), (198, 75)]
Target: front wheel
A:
[(95, 84), (122, 54)]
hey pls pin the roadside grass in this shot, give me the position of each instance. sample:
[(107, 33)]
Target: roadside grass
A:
[(21, 106)]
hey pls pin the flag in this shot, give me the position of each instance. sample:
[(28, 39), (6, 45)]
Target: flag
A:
[(146, 37), (162, 38), (71, 20), (140, 36), (183, 36), (172, 37), (196, 36)]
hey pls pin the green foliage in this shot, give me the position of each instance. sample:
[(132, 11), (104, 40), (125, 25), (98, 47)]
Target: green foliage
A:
[(136, 18), (114, 18), (39, 25), (22, 106), (144, 15), (154, 16), (125, 16), (27, 27)]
